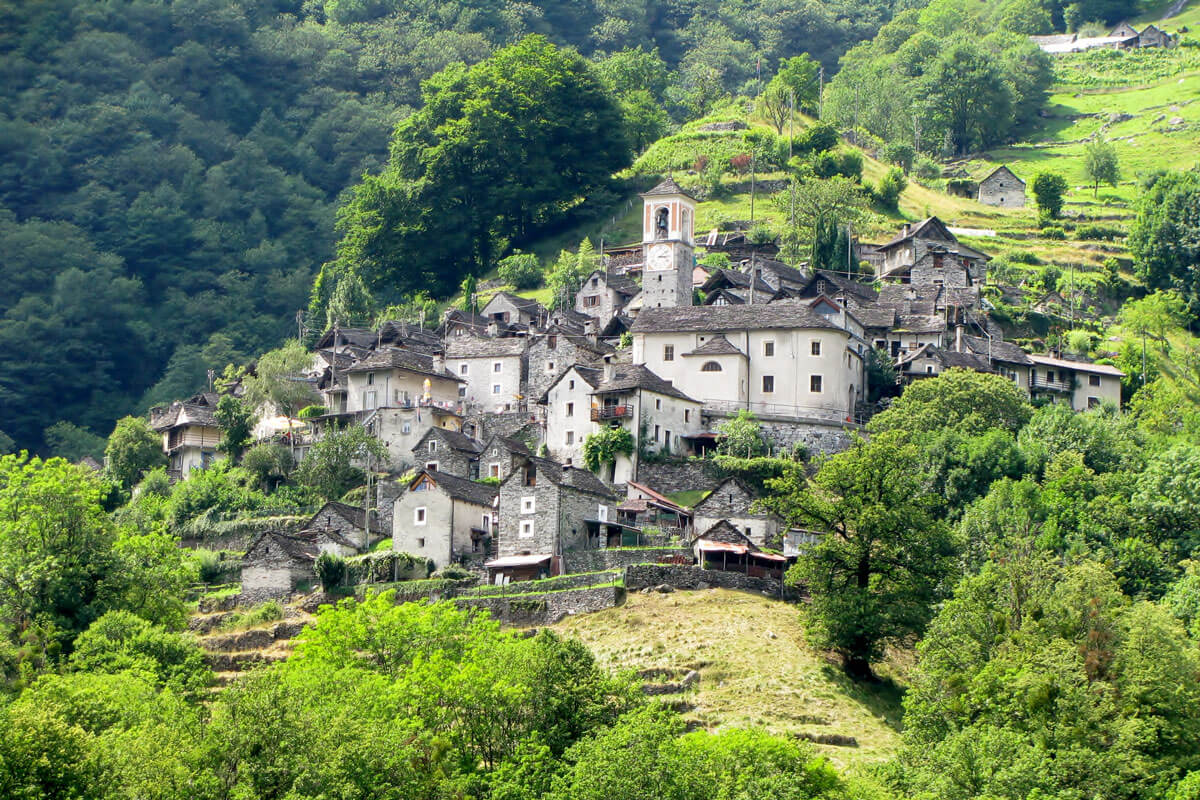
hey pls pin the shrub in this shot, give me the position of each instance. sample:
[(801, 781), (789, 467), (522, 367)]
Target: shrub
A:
[(208, 565), (330, 569), (1097, 233), (899, 153), (1048, 190), (454, 572), (890, 187), (926, 169), (521, 270), (1053, 232), (269, 611)]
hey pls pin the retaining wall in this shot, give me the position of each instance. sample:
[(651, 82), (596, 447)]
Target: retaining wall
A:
[(618, 558), (528, 610), (668, 477), (642, 576)]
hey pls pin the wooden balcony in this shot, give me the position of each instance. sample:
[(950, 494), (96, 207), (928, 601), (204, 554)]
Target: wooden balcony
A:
[(1044, 384), (602, 413)]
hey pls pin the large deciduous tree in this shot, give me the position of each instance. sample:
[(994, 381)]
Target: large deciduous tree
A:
[(497, 150), (133, 448), (1165, 235), (967, 401), (884, 558)]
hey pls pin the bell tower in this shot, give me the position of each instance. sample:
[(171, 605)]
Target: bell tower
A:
[(668, 218)]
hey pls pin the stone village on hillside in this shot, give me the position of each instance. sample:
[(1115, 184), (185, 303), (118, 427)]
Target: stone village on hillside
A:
[(512, 393)]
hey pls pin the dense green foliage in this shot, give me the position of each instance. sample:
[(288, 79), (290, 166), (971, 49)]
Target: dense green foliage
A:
[(1165, 236), (942, 79), (171, 171)]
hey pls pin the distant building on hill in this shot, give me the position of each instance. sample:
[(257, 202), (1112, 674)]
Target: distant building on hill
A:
[(1002, 188), (1122, 37)]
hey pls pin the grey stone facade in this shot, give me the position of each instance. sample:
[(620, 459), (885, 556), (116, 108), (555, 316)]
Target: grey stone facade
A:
[(619, 558), (936, 268), (824, 439), (530, 610), (548, 517), (733, 501), (275, 565), (668, 477), (1002, 188), (447, 451), (643, 576), (552, 352)]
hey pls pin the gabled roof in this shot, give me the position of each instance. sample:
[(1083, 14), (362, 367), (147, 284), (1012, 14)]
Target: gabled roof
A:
[(716, 346), (359, 337), (576, 339), (1002, 169), (407, 334), (920, 323), (512, 445), (590, 375), (352, 514), (725, 531), (407, 360), (300, 547), (480, 494), (668, 186), (453, 439), (661, 499), (782, 314), (524, 303), (196, 410), (1078, 366), (715, 494), (861, 291), (1006, 352), (786, 274), (617, 325), (736, 279), (947, 358), (628, 377), (930, 228), (472, 346), (559, 475)]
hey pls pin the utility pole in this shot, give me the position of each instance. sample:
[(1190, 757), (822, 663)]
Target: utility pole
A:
[(916, 132), (820, 93)]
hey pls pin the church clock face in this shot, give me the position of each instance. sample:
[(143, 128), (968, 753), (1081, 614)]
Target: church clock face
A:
[(659, 257)]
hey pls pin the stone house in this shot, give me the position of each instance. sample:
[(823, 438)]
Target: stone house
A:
[(507, 309), (734, 287), (1002, 188), (276, 564), (555, 349), (724, 547), (493, 370), (501, 455), (190, 433), (1152, 36), (913, 241), (732, 502), (448, 452), (603, 295), (346, 522), (567, 412), (1081, 384), (661, 418), (444, 518), (781, 360), (543, 509)]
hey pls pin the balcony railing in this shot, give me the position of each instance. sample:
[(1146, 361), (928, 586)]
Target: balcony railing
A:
[(611, 412), (782, 411), (1052, 386)]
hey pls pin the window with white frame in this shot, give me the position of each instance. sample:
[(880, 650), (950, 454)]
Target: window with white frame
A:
[(406, 427), (495, 388), (433, 446), (497, 366), (462, 369), (526, 529), (570, 412), (768, 348), (668, 352), (528, 504), (570, 439), (419, 515), (768, 384), (815, 347), (658, 404)]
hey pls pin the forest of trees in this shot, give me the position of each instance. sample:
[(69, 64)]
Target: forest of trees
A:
[(170, 172)]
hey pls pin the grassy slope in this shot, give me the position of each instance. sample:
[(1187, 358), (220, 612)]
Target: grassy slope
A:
[(755, 668)]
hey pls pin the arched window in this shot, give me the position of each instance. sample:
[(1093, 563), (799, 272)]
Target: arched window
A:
[(710, 366)]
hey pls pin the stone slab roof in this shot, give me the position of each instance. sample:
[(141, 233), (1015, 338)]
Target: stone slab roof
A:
[(300, 547), (484, 347), (782, 314), (199, 409), (636, 376), (453, 439), (397, 358), (669, 186), (716, 346), (479, 494), (1007, 352)]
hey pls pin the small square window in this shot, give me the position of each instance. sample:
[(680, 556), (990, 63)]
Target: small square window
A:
[(406, 427), (669, 352), (420, 542), (1093, 380), (816, 348), (768, 384), (549, 366), (1093, 402), (768, 349), (433, 446), (419, 516), (495, 388), (462, 369), (527, 529), (528, 504), (497, 366), (814, 383)]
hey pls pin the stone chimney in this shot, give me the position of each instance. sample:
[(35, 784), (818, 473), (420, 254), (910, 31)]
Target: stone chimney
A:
[(439, 363), (493, 328), (609, 371), (958, 334), (906, 229), (590, 329)]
